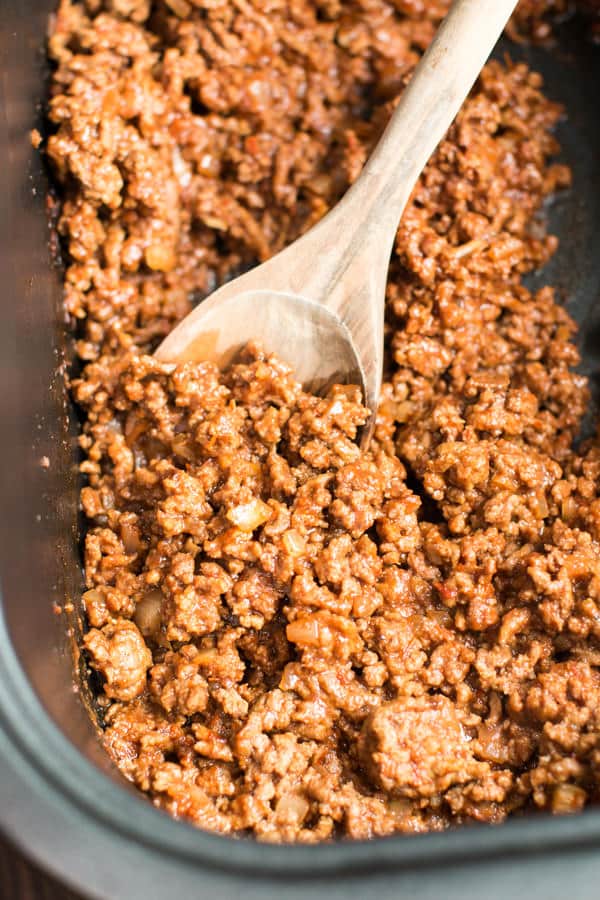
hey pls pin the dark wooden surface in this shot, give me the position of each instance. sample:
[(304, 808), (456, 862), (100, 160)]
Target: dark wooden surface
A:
[(19, 880)]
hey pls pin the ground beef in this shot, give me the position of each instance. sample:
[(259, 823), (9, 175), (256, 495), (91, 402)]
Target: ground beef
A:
[(417, 747), (297, 640), (119, 653)]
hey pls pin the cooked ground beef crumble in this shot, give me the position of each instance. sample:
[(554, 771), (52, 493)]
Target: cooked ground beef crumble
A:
[(297, 640)]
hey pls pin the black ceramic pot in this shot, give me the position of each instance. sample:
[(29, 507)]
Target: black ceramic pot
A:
[(60, 799)]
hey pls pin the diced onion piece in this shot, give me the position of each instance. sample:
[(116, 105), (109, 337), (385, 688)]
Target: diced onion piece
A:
[(147, 614), (92, 596), (306, 631), (569, 508), (248, 516), (539, 505), (294, 543), (568, 798), (292, 809), (130, 535), (214, 222)]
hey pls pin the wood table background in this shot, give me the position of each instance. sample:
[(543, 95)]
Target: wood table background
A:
[(19, 880)]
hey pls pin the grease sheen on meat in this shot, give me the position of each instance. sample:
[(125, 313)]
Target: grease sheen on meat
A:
[(297, 640)]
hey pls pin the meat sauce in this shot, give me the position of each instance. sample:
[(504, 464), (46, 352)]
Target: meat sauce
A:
[(297, 640)]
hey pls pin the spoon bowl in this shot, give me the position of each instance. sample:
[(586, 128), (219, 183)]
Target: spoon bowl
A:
[(317, 344)]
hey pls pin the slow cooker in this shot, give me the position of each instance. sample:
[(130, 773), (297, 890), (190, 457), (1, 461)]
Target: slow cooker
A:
[(61, 800)]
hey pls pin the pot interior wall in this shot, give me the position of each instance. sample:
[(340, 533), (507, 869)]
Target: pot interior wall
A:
[(40, 568)]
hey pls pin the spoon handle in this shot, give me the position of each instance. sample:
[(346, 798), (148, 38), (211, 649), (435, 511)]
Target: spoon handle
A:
[(428, 107)]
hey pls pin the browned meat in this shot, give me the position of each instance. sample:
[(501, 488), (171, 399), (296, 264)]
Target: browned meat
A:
[(418, 747), (119, 653), (298, 640)]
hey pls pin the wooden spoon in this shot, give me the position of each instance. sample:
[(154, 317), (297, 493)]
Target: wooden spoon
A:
[(319, 304)]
